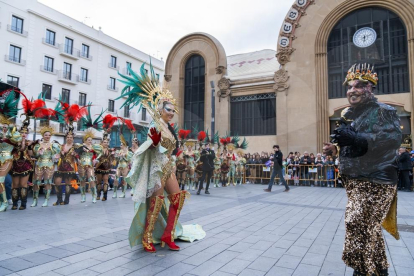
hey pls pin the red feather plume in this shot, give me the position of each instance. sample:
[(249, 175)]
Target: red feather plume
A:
[(45, 113), (225, 141), (74, 113), (37, 104), (109, 121), (183, 134), (201, 136), (129, 125), (27, 105)]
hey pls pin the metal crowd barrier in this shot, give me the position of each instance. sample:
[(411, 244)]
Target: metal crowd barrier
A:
[(302, 175)]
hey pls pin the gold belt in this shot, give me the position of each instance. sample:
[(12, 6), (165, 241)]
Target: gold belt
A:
[(44, 160)]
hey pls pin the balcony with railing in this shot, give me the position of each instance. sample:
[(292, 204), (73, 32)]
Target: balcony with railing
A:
[(17, 30), (126, 72), (49, 42), (67, 77), (14, 60), (112, 88), (47, 69), (85, 55), (70, 52), (84, 80), (113, 66)]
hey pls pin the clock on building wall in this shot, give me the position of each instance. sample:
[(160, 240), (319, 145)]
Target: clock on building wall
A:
[(365, 37)]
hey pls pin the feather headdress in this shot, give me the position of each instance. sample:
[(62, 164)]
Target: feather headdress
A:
[(88, 122), (8, 109), (144, 90)]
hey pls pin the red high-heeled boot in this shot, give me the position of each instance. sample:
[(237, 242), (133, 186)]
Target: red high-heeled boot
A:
[(152, 215), (176, 204)]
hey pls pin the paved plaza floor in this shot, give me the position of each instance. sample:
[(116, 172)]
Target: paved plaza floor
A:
[(249, 232)]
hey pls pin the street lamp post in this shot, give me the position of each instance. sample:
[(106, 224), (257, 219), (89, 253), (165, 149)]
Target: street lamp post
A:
[(213, 109)]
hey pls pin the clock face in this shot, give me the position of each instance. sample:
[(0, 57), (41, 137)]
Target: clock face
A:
[(365, 37)]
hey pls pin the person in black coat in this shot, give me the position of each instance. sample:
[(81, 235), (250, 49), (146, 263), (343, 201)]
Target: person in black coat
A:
[(404, 168), (207, 157)]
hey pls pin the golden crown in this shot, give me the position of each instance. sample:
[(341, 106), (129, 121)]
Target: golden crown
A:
[(45, 129), (361, 72), (89, 133)]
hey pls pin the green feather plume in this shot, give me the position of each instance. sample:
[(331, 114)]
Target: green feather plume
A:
[(195, 132), (132, 90), (244, 144), (216, 139), (9, 108), (235, 140), (87, 121)]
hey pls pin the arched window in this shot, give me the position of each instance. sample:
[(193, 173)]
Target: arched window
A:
[(194, 93), (388, 53)]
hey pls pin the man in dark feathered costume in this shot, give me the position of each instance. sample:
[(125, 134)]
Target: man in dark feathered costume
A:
[(367, 141)]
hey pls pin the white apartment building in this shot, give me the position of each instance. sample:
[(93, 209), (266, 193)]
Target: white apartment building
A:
[(45, 51)]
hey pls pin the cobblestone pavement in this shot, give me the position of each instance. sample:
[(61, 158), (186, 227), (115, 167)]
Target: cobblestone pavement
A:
[(249, 232)]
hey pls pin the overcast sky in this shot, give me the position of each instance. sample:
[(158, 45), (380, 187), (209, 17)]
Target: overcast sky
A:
[(153, 26)]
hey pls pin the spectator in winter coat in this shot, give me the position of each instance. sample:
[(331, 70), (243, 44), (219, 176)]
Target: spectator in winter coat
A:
[(404, 168)]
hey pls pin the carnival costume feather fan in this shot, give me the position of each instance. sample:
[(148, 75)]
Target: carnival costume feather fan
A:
[(183, 135), (88, 122), (33, 108), (109, 121), (143, 90), (243, 145), (235, 140), (201, 136), (216, 139), (129, 125), (74, 112), (9, 108)]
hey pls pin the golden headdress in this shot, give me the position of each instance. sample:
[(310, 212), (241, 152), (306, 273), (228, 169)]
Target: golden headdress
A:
[(89, 133), (123, 141), (361, 72), (45, 129), (230, 146), (239, 151), (145, 91), (190, 144)]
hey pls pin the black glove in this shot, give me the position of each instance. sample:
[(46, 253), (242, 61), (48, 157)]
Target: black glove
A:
[(345, 135), (348, 136)]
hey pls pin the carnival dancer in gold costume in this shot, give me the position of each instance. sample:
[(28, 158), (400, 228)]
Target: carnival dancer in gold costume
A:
[(124, 158), (22, 167), (104, 166), (44, 150), (152, 172), (368, 138), (67, 167), (190, 158), (240, 167), (87, 154), (8, 104)]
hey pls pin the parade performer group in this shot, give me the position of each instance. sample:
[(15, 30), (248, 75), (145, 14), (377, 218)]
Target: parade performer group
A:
[(366, 142), (21, 157)]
